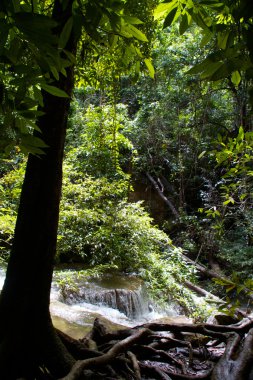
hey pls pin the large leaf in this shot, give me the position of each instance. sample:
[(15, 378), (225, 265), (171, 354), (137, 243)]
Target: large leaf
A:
[(134, 32), (32, 144), (54, 90), (215, 71), (132, 20), (222, 39), (65, 34), (170, 18), (164, 8), (184, 24), (207, 36), (200, 20), (200, 67)]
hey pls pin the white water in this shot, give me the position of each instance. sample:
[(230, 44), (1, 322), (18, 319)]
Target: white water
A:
[(84, 313), (2, 277)]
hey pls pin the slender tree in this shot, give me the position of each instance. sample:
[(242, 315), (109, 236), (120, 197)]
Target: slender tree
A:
[(27, 335), (28, 341)]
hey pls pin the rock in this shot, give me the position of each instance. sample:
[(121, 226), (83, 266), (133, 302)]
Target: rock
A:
[(222, 319)]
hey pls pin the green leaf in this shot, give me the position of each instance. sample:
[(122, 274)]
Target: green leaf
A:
[(222, 39), (183, 24), (32, 144), (170, 18), (54, 90), (222, 72), (163, 8), (65, 34), (63, 71), (197, 17), (137, 33), (54, 72), (34, 141), (138, 52), (31, 114), (213, 69), (229, 200), (240, 133), (113, 40), (203, 66), (150, 67), (70, 56), (132, 20), (38, 96), (206, 38), (202, 154), (236, 78)]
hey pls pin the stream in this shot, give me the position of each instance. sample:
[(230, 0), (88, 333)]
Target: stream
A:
[(118, 300)]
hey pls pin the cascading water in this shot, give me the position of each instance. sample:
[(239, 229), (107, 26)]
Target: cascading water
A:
[(117, 300), (132, 303)]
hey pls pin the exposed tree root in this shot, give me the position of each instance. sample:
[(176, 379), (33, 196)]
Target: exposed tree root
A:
[(151, 351)]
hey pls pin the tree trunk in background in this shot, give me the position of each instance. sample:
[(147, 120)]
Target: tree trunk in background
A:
[(27, 336)]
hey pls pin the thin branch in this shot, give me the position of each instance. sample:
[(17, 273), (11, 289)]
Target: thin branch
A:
[(164, 198)]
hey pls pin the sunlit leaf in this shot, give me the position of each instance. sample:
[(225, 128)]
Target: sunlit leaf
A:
[(150, 67), (202, 154), (164, 8), (137, 33), (132, 20), (236, 78)]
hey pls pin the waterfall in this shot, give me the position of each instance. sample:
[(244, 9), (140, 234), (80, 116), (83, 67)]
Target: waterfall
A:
[(133, 303), (119, 300)]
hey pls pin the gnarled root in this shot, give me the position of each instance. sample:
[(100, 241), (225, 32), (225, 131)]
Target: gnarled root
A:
[(203, 351)]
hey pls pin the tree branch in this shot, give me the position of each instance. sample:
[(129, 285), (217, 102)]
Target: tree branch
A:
[(162, 196)]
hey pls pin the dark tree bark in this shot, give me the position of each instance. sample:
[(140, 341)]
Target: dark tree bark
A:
[(27, 336)]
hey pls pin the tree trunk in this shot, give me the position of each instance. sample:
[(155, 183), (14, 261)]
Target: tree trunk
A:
[(27, 336)]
